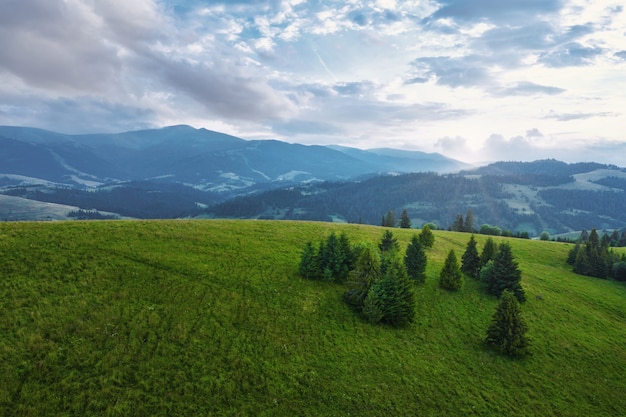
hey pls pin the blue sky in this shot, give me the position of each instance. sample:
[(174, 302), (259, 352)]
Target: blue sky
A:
[(476, 80)]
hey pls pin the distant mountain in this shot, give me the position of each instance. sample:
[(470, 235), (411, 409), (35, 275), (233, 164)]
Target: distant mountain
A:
[(143, 161), (527, 197), (197, 157)]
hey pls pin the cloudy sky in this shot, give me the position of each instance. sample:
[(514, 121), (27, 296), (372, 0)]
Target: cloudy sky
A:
[(475, 80)]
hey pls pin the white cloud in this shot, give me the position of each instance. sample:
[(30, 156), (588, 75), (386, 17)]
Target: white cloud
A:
[(521, 78)]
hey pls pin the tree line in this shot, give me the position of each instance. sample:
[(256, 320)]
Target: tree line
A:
[(593, 256)]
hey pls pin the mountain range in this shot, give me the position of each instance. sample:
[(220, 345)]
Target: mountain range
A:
[(203, 159), (180, 171)]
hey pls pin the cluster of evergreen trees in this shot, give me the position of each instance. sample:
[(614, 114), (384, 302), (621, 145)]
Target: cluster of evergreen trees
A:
[(592, 256), (500, 275), (382, 281), (495, 267)]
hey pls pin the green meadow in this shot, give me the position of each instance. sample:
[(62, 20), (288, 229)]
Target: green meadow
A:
[(210, 318)]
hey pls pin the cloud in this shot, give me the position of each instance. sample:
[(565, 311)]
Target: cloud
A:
[(566, 117), (501, 11), (454, 72), (571, 54), (223, 89), (526, 88)]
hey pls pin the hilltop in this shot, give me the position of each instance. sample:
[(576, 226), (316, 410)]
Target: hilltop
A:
[(211, 318)]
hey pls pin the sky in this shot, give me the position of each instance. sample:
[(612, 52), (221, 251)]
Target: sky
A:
[(475, 80)]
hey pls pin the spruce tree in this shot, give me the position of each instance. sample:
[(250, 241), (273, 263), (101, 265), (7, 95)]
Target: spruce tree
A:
[(505, 274), (415, 260), (388, 242), (459, 224), (309, 267), (468, 224), (470, 261), (405, 221), (451, 277), (390, 219), (364, 274), (426, 237), (372, 308), (507, 331), (332, 260), (395, 292), (489, 251)]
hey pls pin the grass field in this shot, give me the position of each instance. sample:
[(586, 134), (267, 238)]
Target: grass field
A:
[(210, 318)]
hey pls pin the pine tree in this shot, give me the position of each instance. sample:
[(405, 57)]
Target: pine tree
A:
[(332, 260), (389, 220), (505, 274), (426, 237), (361, 278), (388, 242), (458, 224), (470, 261), (451, 277), (372, 308), (415, 260), (395, 292), (405, 221), (309, 267), (507, 330), (489, 251), (468, 224)]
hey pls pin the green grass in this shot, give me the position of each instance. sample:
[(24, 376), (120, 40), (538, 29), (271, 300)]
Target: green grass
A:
[(211, 318)]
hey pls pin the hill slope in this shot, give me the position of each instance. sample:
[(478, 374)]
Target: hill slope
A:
[(211, 318)]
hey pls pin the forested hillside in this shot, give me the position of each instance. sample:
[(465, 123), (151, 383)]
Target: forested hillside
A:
[(528, 197)]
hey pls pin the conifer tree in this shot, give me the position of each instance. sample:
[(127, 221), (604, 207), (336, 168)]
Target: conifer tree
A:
[(389, 220), (458, 224), (489, 251), (451, 277), (507, 331), (405, 221), (470, 261), (426, 237), (396, 296), (365, 273), (332, 260), (505, 274), (372, 308), (468, 224), (415, 260), (388, 242), (309, 267)]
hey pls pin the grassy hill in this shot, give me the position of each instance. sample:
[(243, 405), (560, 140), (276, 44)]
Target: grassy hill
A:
[(211, 318)]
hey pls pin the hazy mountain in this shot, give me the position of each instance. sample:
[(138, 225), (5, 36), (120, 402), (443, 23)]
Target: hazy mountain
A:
[(197, 157)]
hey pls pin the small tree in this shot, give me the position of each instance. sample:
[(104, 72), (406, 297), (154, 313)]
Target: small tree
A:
[(505, 274), (405, 221), (361, 278), (468, 224), (426, 237), (451, 277), (544, 236), (396, 296), (507, 330), (389, 220), (388, 242), (415, 260), (470, 261), (309, 266), (459, 224), (489, 251)]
